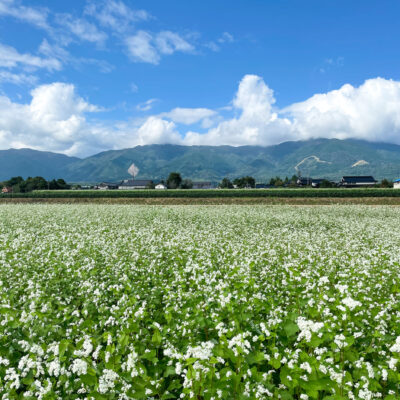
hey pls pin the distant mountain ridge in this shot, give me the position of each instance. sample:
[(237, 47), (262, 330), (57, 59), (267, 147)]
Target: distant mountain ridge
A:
[(327, 158)]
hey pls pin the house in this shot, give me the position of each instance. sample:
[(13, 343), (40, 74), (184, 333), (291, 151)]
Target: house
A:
[(358, 181), (160, 186), (107, 186), (130, 184), (203, 185), (304, 181), (263, 186), (396, 184), (6, 189)]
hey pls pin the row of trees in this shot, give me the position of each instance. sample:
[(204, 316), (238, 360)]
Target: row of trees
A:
[(21, 185), (250, 182)]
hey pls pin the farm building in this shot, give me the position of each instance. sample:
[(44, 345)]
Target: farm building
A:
[(107, 186), (303, 181), (203, 185), (130, 184), (161, 186), (396, 184), (358, 181), (6, 189)]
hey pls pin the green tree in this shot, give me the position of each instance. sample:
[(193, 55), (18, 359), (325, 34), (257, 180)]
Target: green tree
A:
[(226, 184), (174, 180), (327, 184), (386, 183), (16, 180), (245, 182), (277, 181), (186, 184)]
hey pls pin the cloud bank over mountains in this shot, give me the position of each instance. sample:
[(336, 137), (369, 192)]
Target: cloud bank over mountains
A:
[(59, 119)]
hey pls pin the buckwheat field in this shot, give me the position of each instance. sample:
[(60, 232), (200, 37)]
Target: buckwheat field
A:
[(192, 302)]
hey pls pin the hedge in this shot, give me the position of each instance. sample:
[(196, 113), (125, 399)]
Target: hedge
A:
[(212, 193)]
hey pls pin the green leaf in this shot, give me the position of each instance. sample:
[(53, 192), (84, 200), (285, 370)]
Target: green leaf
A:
[(290, 328), (89, 379), (62, 347)]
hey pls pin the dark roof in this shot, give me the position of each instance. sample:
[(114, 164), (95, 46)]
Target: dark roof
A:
[(110, 183), (358, 179), (136, 182), (263, 186)]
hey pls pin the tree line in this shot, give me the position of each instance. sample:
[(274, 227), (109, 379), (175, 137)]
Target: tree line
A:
[(21, 185)]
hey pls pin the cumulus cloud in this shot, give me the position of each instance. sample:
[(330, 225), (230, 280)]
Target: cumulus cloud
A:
[(370, 111), (157, 130), (256, 124), (53, 120), (57, 119)]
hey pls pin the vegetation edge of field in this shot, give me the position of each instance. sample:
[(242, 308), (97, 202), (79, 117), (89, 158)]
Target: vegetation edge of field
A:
[(211, 193)]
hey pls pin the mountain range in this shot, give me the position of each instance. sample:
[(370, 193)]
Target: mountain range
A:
[(318, 158)]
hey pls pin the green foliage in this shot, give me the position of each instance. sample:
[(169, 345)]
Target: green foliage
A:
[(19, 185), (199, 302), (213, 193), (386, 184), (186, 184), (245, 182), (226, 184), (174, 180)]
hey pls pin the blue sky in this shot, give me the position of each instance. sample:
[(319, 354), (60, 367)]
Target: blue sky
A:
[(83, 76)]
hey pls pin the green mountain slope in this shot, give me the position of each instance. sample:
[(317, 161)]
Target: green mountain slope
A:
[(330, 158), (27, 162), (326, 158)]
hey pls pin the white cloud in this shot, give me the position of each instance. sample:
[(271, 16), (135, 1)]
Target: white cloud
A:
[(226, 37), (10, 58), (189, 116), (257, 123), (134, 88), (157, 130), (56, 119), (17, 79), (145, 47), (34, 16), (169, 42), (141, 49), (115, 14), (370, 111), (82, 29), (147, 105), (53, 120)]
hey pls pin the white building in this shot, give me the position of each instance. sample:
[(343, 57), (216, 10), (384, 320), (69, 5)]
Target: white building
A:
[(396, 184), (160, 186)]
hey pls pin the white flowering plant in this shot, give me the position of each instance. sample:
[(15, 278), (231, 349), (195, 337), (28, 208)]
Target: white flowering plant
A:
[(191, 302)]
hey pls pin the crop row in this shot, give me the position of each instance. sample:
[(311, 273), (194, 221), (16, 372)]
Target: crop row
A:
[(211, 193)]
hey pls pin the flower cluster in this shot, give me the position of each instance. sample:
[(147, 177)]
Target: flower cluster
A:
[(192, 302)]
